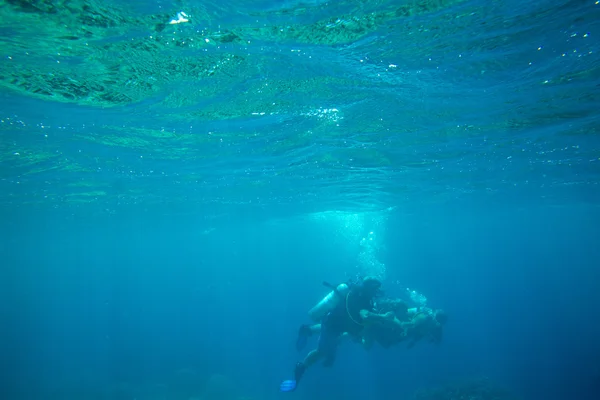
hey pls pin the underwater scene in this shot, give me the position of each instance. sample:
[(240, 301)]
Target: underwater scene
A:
[(299, 199)]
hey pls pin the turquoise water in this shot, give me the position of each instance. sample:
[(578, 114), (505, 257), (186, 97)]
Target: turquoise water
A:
[(172, 195), (474, 99)]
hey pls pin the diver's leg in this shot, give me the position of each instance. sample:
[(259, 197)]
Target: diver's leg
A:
[(291, 384), (309, 330), (311, 358), (304, 333), (329, 339)]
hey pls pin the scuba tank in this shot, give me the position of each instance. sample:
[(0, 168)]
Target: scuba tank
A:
[(328, 303), (419, 301), (413, 311)]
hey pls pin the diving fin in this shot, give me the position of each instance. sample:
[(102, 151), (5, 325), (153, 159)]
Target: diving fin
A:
[(303, 335), (288, 386)]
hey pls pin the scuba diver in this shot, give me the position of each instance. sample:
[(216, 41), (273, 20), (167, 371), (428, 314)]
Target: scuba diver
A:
[(345, 311), (408, 324), (389, 332), (425, 323), (413, 325)]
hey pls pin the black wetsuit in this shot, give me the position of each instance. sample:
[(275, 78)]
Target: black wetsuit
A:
[(344, 318)]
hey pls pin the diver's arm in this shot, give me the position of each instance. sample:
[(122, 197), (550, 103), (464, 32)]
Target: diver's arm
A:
[(372, 317)]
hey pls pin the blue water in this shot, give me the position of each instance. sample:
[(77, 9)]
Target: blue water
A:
[(149, 256)]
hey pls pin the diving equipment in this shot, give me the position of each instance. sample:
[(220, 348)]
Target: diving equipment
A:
[(329, 302), (419, 310), (303, 334), (413, 311), (288, 385)]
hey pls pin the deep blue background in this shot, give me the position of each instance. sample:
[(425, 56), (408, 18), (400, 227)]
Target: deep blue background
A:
[(113, 307), (90, 303)]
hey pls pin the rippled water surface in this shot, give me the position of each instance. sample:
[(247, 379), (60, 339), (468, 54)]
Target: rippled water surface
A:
[(295, 105)]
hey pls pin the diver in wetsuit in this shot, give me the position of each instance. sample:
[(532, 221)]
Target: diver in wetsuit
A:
[(409, 324), (353, 310), (417, 324)]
